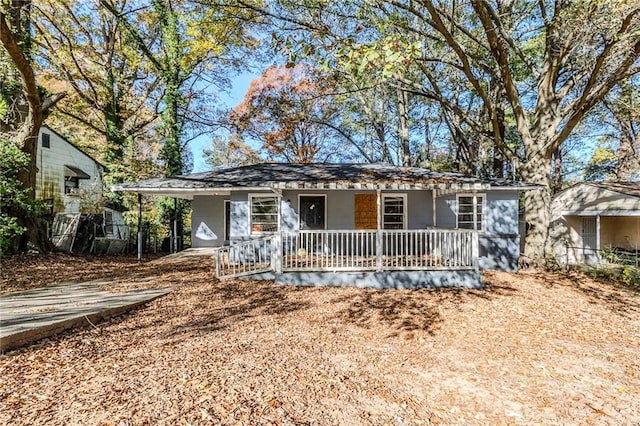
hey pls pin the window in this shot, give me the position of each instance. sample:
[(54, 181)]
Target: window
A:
[(394, 211), (471, 211), (46, 140), (264, 213), (108, 223), (312, 211), (71, 185)]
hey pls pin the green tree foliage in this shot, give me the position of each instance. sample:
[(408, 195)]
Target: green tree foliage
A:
[(112, 93), (527, 71), (602, 165), (188, 46), (14, 197), (21, 123)]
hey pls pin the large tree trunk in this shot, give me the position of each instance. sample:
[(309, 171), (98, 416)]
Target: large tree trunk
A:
[(627, 156), (13, 30), (537, 205)]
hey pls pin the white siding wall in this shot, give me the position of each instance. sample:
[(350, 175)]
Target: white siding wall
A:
[(207, 221), (51, 173)]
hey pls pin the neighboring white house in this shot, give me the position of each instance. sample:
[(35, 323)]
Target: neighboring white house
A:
[(67, 176), (593, 216)]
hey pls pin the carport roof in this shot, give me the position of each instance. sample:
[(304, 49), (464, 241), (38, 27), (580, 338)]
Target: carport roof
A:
[(278, 176), (627, 188)]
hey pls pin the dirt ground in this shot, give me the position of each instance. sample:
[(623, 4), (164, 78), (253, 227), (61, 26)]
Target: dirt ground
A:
[(531, 348)]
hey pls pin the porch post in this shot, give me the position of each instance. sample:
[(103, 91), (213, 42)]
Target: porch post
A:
[(475, 249), (139, 227), (598, 238), (379, 251), (276, 241)]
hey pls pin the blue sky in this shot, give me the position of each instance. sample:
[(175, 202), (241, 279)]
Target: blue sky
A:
[(239, 87)]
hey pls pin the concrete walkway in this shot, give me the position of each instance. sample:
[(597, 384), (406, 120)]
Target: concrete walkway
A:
[(32, 315)]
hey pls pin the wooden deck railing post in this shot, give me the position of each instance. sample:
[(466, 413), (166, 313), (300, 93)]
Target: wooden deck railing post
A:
[(379, 250), (217, 259), (276, 252), (475, 249)]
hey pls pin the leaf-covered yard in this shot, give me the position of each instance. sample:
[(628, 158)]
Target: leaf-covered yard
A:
[(530, 348)]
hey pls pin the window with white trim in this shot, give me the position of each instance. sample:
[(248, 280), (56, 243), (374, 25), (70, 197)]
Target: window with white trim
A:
[(470, 214), (264, 213), (71, 185), (394, 211)]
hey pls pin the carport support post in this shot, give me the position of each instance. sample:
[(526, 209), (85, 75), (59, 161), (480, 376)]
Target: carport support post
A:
[(598, 238), (139, 227), (175, 225)]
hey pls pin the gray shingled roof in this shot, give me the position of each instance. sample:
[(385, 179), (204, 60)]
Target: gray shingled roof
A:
[(316, 176), (627, 188)]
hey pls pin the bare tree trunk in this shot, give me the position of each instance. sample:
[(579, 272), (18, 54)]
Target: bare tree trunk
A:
[(403, 131), (627, 156), (556, 185)]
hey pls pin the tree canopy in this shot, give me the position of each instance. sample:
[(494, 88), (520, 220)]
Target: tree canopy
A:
[(489, 88)]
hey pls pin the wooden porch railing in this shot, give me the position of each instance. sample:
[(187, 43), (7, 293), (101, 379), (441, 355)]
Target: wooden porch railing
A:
[(379, 250), (350, 250), (245, 258)]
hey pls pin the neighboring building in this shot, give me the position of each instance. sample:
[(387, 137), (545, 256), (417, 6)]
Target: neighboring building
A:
[(350, 224), (70, 182), (67, 176), (590, 217)]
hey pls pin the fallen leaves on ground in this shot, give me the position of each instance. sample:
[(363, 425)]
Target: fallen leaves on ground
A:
[(530, 348), (28, 271)]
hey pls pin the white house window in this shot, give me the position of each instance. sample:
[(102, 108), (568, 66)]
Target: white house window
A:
[(471, 211), (394, 211), (71, 185), (108, 223), (264, 213)]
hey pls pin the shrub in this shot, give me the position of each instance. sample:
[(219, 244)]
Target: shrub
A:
[(13, 196), (631, 276)]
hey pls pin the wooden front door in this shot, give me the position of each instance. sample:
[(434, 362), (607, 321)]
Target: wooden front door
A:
[(366, 211)]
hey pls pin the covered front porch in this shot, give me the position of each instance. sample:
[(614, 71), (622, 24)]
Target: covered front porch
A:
[(350, 224), (291, 254)]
